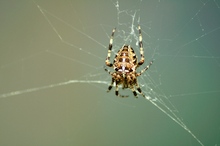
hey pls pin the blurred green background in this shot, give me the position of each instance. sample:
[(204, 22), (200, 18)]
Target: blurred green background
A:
[(44, 43)]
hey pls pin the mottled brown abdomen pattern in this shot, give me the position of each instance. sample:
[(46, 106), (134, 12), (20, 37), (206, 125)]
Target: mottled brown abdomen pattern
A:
[(125, 61)]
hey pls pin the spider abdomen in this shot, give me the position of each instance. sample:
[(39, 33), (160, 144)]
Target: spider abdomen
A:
[(125, 61)]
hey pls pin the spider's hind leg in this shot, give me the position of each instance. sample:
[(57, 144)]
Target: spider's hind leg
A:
[(107, 61), (141, 46)]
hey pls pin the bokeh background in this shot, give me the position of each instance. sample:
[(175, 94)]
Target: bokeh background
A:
[(44, 45)]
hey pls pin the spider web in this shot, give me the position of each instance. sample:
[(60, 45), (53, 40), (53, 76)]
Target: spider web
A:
[(53, 83)]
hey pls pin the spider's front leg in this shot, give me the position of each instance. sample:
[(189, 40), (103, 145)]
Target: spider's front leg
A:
[(139, 90), (116, 80), (116, 89), (117, 92), (134, 92), (110, 86)]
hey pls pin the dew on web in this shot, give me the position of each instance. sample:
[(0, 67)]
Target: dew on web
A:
[(53, 81)]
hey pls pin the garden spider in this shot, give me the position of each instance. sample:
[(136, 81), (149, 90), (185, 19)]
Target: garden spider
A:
[(125, 65)]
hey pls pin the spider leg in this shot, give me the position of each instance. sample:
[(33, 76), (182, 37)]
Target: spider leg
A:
[(116, 90), (143, 70), (117, 93), (139, 90), (141, 47), (110, 86), (134, 92), (107, 61), (107, 70)]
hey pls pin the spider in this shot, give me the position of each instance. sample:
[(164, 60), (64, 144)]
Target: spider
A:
[(125, 65)]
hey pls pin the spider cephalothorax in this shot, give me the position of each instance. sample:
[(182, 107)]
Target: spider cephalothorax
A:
[(125, 65)]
